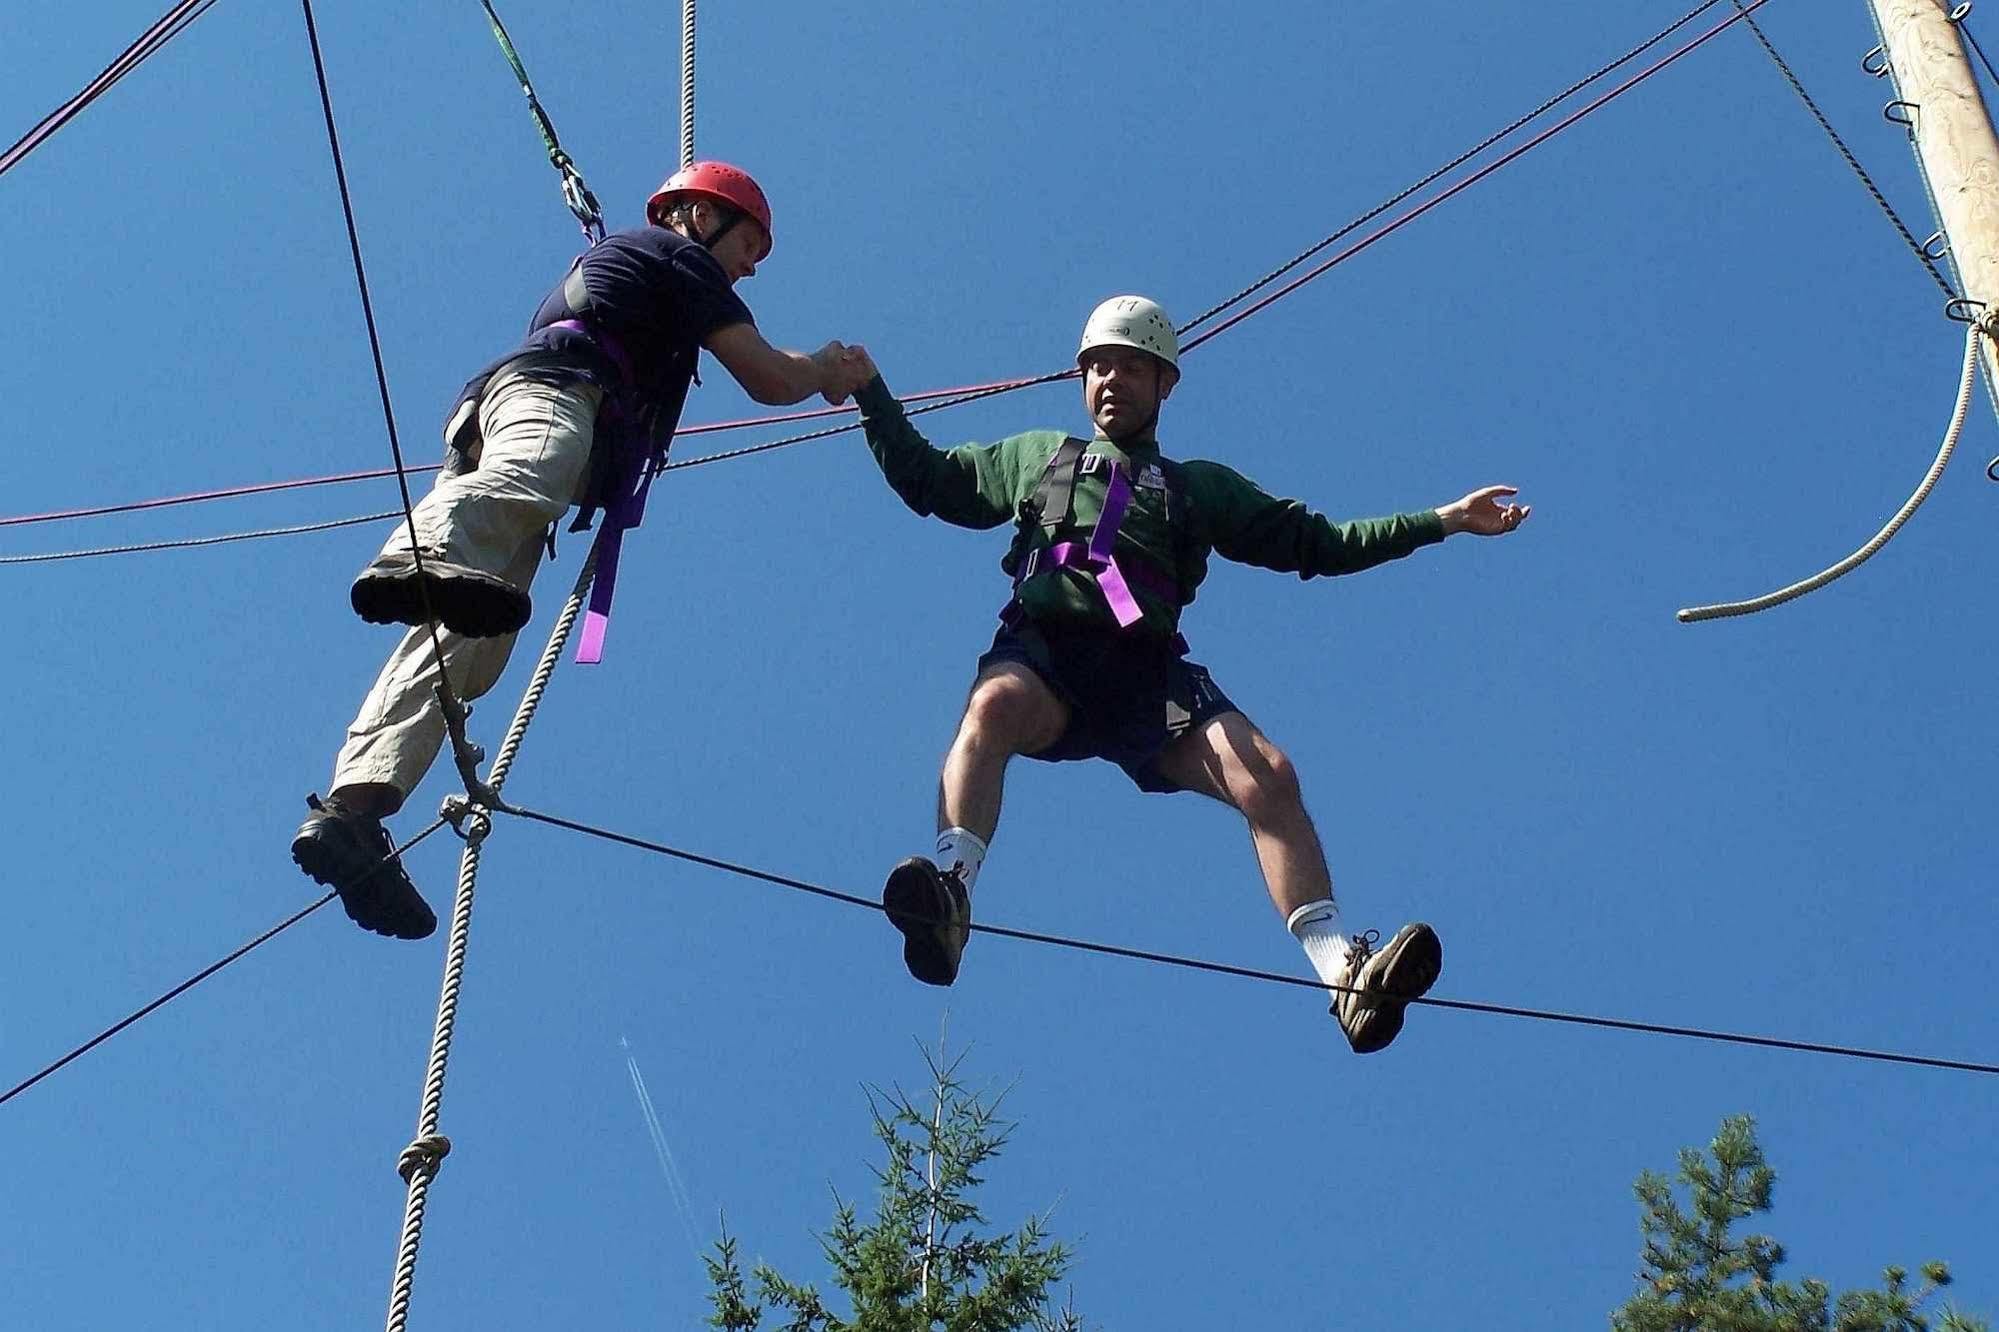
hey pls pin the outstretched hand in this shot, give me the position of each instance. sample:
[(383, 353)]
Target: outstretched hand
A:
[(1485, 512)]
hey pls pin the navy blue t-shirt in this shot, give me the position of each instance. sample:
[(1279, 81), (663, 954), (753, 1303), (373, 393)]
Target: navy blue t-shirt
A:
[(659, 295)]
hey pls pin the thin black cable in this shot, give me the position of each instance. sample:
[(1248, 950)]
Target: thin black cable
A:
[(202, 975), (1965, 28), (1272, 977), (1053, 376), (1783, 67), (163, 30), (1464, 183), (187, 543), (1452, 165), (375, 347)]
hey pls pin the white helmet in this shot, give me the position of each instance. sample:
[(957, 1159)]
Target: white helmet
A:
[(1132, 321)]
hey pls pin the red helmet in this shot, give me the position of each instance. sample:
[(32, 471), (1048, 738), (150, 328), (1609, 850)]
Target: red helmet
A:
[(718, 181)]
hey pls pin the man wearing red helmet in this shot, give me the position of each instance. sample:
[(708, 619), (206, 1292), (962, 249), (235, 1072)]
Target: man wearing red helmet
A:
[(581, 411), (1111, 539)]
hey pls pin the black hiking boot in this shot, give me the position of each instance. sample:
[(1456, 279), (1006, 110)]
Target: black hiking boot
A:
[(467, 601), (1383, 983), (934, 913), (349, 852)]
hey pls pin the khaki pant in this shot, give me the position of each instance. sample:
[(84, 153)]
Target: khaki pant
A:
[(532, 465)]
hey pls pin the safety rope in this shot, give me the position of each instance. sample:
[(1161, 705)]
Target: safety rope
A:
[(188, 543), (1270, 977), (1450, 166), (164, 29), (1923, 256), (418, 1163), (454, 711), (1722, 610), (205, 973), (575, 193), (686, 84)]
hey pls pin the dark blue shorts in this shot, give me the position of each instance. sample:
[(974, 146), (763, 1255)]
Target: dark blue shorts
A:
[(1128, 698)]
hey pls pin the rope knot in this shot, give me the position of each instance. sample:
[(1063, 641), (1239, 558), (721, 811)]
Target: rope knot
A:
[(423, 1155)]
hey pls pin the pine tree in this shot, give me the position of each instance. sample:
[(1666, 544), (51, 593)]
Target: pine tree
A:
[(1700, 1276), (925, 1260)]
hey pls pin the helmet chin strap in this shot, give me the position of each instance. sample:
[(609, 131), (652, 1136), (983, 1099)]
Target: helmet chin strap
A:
[(714, 237)]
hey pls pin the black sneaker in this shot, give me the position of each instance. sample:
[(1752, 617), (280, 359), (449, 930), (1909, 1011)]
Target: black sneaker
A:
[(467, 601), (350, 853), (934, 913), (1383, 982)]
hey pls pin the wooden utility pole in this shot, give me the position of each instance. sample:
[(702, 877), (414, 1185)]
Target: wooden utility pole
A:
[(1937, 97)]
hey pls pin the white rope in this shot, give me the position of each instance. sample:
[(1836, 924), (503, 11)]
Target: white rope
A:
[(419, 1161), (686, 83), (1857, 558)]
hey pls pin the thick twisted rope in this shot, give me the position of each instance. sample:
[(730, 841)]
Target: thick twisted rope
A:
[(686, 84), (419, 1162), (1818, 580)]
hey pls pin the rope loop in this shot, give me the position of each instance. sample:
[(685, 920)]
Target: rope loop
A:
[(423, 1155)]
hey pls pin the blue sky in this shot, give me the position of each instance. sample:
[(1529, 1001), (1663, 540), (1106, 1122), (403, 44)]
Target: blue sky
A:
[(1680, 327)]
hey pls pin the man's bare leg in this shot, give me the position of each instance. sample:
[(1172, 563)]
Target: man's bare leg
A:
[(1230, 760)]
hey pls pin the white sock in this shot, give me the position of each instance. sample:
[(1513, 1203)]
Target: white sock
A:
[(963, 848), (1316, 925)]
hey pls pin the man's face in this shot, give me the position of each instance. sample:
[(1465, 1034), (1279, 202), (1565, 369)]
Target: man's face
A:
[(740, 248), (1123, 387)]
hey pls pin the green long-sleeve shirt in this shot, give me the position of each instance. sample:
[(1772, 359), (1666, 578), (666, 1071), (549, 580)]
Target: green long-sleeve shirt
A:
[(1224, 513)]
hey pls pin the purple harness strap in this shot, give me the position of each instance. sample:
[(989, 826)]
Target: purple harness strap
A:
[(1095, 557), (624, 508)]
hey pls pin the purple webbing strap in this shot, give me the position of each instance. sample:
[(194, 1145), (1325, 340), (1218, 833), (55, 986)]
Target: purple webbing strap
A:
[(623, 513), (1103, 537), (621, 516)]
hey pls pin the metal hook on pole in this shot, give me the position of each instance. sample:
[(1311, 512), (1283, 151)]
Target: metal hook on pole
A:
[(1875, 62), (1901, 113)]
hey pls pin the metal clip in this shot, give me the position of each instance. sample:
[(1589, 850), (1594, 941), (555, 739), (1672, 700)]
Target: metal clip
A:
[(1962, 310), (470, 821), (1992, 470), (1961, 12), (1907, 118), (1875, 62), (1937, 246)]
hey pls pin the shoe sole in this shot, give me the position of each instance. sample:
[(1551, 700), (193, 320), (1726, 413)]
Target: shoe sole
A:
[(910, 898), (1415, 958), (475, 607), (368, 901)]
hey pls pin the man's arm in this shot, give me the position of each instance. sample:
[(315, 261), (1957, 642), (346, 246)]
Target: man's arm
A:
[(779, 378), (1246, 524), (971, 486)]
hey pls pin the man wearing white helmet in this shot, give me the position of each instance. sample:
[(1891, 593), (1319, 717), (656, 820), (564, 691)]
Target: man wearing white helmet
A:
[(1111, 541)]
